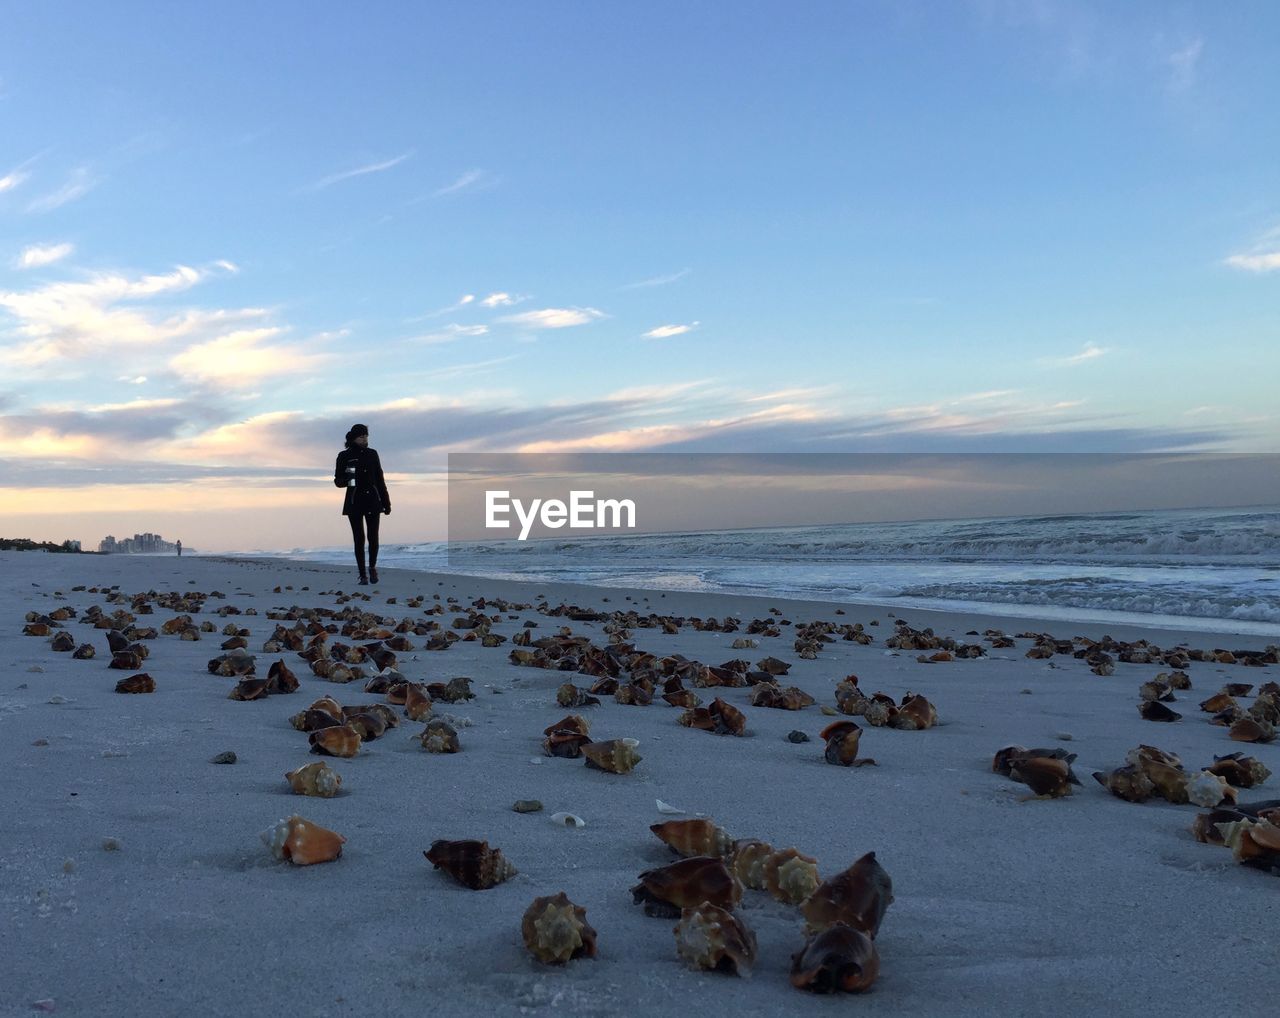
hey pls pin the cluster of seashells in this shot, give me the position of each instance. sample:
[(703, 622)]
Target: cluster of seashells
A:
[(1149, 772), (842, 915), (1047, 772), (569, 738), (914, 713)]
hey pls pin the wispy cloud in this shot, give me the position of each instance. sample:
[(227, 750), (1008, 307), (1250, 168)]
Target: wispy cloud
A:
[(245, 357), (78, 183), (14, 178), (38, 255), (471, 180), (451, 332), (656, 280), (1183, 64), (553, 318), (106, 313), (359, 171), (1089, 352), (500, 300), (667, 331)]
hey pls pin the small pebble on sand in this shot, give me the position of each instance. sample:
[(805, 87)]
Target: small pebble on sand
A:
[(527, 806), (227, 757), (797, 736)]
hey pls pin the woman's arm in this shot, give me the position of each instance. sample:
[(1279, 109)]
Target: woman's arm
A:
[(382, 484), (339, 480)]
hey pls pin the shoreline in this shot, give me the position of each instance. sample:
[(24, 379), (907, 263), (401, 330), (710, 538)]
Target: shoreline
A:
[(1002, 906), (686, 601)]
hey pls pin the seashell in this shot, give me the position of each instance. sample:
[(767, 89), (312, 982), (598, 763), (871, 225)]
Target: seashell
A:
[(280, 679), (747, 862), (668, 890), (685, 698), (302, 843), (126, 660), (1251, 839), (729, 720), (1266, 709), (1155, 690), (570, 723), (915, 714), (571, 696), (329, 705), (84, 652), (1047, 777), (1207, 789), (454, 691), (1127, 782), (1154, 710), (693, 837), (379, 710), (1205, 825), (1238, 688), (311, 720), (473, 864), (1242, 771), (849, 698), (1217, 703), (317, 779), (567, 744), (62, 642), (700, 718), (249, 688), (842, 738), (37, 629), (342, 740), (1252, 730), (617, 756), (556, 930), (791, 876), (567, 820), (1164, 770), (1176, 679), (369, 725), (440, 737), (857, 897), (713, 938), (879, 710), (837, 960), (140, 683), (634, 695), (606, 685)]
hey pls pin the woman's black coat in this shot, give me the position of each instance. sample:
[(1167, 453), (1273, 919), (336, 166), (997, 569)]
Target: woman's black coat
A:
[(369, 495)]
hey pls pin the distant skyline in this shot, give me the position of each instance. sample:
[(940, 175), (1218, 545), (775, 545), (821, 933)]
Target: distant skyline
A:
[(228, 233)]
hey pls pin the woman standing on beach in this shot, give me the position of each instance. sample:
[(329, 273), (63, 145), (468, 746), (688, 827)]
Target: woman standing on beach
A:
[(360, 471)]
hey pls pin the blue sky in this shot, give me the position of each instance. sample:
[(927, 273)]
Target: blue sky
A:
[(226, 232)]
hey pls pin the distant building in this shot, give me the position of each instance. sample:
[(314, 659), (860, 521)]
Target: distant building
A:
[(138, 544), (71, 545)]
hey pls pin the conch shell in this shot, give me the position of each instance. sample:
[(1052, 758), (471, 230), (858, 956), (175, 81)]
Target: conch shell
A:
[(440, 737), (471, 863), (280, 679), (748, 862), (1205, 788), (791, 876), (693, 837), (617, 756), (1047, 777), (1252, 840), (318, 779), (556, 930), (1242, 771), (857, 897), (302, 843), (669, 890), (417, 705), (839, 959), (842, 739), (340, 741), (140, 683), (1127, 782), (713, 938), (914, 714)]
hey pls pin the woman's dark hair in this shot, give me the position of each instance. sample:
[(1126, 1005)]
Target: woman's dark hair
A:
[(356, 431)]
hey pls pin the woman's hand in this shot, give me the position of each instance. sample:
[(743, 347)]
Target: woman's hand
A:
[(387, 511)]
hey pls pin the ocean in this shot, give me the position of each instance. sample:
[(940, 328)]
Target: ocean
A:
[(1194, 568)]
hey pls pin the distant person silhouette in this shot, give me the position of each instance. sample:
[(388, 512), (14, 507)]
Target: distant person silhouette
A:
[(359, 470), (179, 549)]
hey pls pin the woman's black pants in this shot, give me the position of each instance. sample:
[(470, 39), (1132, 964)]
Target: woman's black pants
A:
[(359, 524)]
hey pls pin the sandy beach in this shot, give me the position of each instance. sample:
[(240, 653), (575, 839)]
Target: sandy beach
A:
[(1081, 905)]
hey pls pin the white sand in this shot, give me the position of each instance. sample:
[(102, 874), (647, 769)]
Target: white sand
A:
[(1087, 905)]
